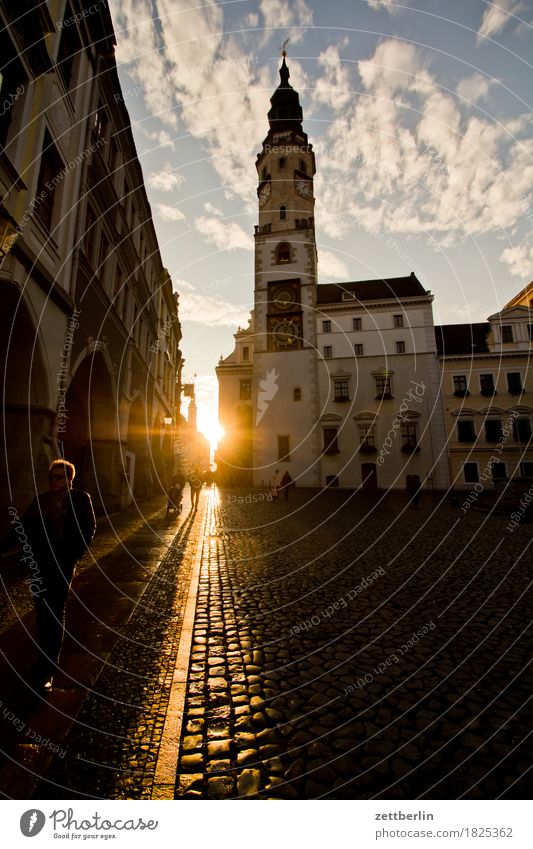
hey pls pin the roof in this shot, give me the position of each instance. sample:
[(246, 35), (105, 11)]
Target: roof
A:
[(371, 290), (462, 338)]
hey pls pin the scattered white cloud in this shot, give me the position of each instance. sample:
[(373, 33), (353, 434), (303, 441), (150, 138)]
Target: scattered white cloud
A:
[(183, 286), (213, 210), (497, 16), (519, 259), (162, 138), (330, 265), (226, 235), (335, 87), (165, 180), (474, 88), (390, 5), (169, 213), (211, 311), (291, 16)]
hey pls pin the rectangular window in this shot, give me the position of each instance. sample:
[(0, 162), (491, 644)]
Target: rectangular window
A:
[(326, 327), (383, 389), (527, 469), (348, 296), (330, 440), (358, 350), (470, 472), (398, 320), (51, 167), (506, 332), (245, 390), (521, 430), (499, 471), (101, 122), (400, 347), (493, 430), (90, 234), (283, 448), (341, 390), (460, 386), (357, 323), (486, 384), (328, 352), (465, 431), (514, 382), (409, 434), (104, 250), (246, 355), (69, 50), (530, 332), (366, 436)]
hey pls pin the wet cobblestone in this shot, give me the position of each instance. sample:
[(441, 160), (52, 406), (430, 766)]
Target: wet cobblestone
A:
[(345, 648)]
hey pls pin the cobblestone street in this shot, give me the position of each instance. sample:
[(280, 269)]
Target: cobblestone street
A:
[(340, 647)]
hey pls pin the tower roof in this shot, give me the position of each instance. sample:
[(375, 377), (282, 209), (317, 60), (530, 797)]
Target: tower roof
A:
[(285, 112)]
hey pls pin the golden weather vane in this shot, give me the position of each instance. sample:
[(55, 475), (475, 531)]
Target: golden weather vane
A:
[(283, 48)]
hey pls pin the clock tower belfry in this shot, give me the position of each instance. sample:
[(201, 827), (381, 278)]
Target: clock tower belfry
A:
[(285, 293)]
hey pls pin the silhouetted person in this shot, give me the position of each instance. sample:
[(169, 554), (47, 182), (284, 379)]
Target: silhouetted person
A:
[(195, 482), (58, 526), (413, 486), (275, 484), (286, 483)]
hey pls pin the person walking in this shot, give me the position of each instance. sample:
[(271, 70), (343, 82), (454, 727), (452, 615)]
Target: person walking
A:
[(286, 483), (413, 486), (195, 482), (275, 484), (58, 526)]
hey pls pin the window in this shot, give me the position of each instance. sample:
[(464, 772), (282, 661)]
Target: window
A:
[(521, 430), (303, 167), (493, 430), (330, 440), (409, 435), (506, 332), (357, 324), (400, 347), (296, 394), (366, 437), (383, 389), (245, 391), (90, 233), (51, 166), (283, 449), (398, 320), (283, 214), (326, 327), (486, 384), (470, 472), (465, 431), (527, 469), (530, 332), (328, 352), (514, 382), (246, 355), (264, 174), (12, 84), (101, 122), (460, 386), (358, 350), (340, 392), (348, 296), (117, 286), (104, 250), (282, 162), (499, 471), (69, 48), (283, 252)]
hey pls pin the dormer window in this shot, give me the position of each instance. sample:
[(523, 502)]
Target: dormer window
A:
[(507, 333), (283, 253), (282, 213)]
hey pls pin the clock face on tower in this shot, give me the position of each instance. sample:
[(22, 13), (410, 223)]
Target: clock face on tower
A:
[(264, 193), (283, 298), (304, 187), (285, 333)]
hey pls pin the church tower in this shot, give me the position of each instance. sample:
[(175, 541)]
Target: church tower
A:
[(285, 382)]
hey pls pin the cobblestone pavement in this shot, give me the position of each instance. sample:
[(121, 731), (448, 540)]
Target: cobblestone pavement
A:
[(353, 649), (342, 647)]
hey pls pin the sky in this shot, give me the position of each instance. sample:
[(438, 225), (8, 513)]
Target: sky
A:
[(420, 116)]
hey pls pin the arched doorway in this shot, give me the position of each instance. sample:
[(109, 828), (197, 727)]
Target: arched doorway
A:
[(27, 445), (88, 436)]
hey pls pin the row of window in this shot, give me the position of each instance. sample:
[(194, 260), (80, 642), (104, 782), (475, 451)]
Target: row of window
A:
[(466, 431), (341, 390), (357, 323), (282, 165), (359, 349), (498, 471), (487, 384), (245, 391), (367, 441)]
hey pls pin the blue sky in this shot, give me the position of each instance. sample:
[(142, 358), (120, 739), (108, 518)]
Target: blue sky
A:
[(420, 116)]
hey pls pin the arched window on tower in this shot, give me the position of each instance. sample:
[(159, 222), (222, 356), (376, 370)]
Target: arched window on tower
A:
[(283, 213), (303, 169), (283, 252)]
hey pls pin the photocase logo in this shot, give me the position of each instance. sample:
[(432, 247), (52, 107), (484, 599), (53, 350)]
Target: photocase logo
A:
[(267, 390), (32, 822)]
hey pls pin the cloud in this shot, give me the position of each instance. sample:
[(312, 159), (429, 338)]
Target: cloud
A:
[(390, 5), (165, 180), (334, 88), (162, 138), (331, 266), (169, 213), (474, 88), (519, 259), (210, 311), (497, 16), (293, 16), (226, 235)]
